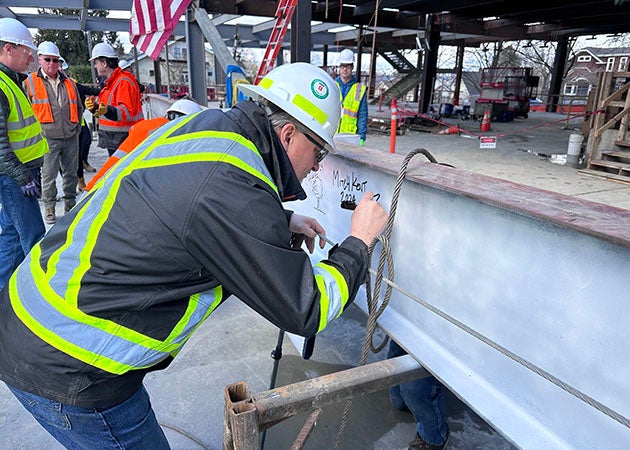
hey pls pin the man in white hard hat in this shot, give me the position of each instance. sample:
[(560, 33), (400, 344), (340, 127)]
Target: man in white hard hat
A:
[(119, 105), (192, 216), (354, 116), (22, 150), (57, 106), (141, 130)]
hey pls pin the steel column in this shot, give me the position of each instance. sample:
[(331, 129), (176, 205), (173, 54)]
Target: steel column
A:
[(559, 62), (301, 32), (196, 59), (429, 70)]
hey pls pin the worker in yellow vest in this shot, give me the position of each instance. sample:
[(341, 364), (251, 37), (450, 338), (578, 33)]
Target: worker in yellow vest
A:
[(22, 149), (354, 115), (191, 216)]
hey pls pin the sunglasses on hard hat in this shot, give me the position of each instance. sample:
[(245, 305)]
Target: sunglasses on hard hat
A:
[(320, 151), (53, 60)]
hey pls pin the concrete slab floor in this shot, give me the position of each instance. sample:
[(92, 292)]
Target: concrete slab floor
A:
[(235, 343), (524, 153)]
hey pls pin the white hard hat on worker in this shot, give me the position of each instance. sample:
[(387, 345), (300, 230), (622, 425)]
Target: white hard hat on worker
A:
[(17, 45), (14, 32), (48, 48), (346, 57), (103, 50), (182, 107), (305, 92)]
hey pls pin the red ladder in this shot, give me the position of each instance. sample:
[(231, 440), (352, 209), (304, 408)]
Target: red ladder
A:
[(284, 13)]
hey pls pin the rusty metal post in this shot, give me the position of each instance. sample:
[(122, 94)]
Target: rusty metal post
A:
[(238, 417), (281, 403), (246, 413)]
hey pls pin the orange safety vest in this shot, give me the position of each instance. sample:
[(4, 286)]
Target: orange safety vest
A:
[(137, 133), (123, 93), (41, 103)]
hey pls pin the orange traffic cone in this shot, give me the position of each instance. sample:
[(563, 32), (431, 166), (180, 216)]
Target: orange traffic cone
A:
[(450, 130), (485, 122)]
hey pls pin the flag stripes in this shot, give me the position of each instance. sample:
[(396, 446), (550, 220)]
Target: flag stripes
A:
[(152, 22)]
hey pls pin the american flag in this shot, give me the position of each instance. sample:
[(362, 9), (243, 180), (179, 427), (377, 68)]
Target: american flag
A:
[(152, 22)]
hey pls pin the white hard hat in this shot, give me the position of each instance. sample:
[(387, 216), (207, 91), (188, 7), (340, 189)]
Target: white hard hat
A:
[(48, 48), (64, 64), (346, 57), (184, 106), (305, 92), (15, 32), (103, 50)]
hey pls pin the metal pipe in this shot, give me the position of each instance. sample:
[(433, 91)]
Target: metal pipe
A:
[(246, 413), (284, 402)]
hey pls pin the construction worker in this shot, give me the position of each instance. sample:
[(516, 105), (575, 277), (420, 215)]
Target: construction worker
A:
[(141, 130), (425, 400), (22, 150), (55, 99), (190, 217), (119, 103), (354, 116)]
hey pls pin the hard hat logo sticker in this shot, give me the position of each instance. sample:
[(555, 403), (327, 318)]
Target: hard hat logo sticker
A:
[(319, 89)]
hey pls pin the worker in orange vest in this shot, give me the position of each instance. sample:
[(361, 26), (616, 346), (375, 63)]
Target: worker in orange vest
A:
[(119, 105), (56, 105), (141, 130)]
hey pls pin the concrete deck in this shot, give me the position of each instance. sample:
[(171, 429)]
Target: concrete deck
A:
[(234, 344)]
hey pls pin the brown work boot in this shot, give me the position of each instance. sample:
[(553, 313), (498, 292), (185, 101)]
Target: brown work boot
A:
[(81, 184), (49, 216), (420, 444), (87, 167)]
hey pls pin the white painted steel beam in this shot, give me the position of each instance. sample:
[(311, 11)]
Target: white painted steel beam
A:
[(542, 277)]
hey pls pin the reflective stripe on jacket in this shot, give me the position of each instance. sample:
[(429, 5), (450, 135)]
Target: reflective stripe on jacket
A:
[(23, 128), (191, 216), (350, 108), (137, 134), (122, 92), (36, 87)]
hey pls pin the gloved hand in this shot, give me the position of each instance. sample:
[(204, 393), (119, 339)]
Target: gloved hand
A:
[(90, 104), (101, 110), (31, 189), (361, 142)]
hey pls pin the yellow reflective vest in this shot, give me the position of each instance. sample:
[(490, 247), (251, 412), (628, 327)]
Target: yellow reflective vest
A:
[(350, 111), (23, 128)]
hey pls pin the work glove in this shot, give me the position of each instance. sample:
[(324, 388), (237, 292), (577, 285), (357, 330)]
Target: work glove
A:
[(90, 104), (31, 189), (361, 142), (101, 110)]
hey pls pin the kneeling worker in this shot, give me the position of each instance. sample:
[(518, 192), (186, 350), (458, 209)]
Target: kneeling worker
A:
[(190, 217)]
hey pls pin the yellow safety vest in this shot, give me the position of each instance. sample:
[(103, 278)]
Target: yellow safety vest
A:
[(23, 128), (350, 110)]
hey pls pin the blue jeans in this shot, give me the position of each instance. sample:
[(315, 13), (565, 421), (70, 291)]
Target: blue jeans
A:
[(21, 225), (128, 425), (425, 400)]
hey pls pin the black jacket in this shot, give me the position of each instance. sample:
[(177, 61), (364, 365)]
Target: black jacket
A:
[(190, 217)]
